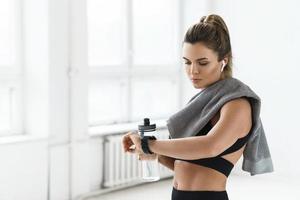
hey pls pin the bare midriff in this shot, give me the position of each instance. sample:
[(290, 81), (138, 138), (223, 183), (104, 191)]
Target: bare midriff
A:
[(190, 176)]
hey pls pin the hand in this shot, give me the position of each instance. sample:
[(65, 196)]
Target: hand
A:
[(132, 143)]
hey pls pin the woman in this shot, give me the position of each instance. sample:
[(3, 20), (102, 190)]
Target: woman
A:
[(208, 59)]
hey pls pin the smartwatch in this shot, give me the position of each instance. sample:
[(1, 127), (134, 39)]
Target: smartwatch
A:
[(145, 145)]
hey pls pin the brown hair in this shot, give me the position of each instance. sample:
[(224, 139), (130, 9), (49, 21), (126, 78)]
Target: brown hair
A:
[(213, 32)]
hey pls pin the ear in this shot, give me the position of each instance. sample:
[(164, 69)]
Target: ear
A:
[(225, 60)]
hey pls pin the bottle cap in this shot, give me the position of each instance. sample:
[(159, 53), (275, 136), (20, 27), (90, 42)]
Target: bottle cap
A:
[(147, 127)]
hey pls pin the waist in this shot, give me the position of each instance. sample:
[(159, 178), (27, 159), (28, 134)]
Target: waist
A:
[(189, 176)]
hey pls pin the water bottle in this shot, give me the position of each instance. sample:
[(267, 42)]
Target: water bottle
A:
[(150, 166)]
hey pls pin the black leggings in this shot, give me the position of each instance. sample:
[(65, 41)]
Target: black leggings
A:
[(198, 195)]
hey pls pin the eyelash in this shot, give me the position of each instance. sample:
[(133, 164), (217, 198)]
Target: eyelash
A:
[(198, 63)]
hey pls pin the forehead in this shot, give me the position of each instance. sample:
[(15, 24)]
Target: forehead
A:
[(197, 50)]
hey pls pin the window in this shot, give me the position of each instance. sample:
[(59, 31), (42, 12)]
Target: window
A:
[(10, 68), (154, 31), (133, 56), (106, 33)]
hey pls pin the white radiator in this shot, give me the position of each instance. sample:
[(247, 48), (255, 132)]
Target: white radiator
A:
[(124, 168)]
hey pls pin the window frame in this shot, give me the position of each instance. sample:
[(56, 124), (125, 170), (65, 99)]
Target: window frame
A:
[(172, 71)]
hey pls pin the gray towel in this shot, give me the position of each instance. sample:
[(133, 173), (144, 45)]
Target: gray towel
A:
[(205, 104)]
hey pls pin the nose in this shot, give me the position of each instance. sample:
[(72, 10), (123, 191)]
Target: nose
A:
[(194, 69)]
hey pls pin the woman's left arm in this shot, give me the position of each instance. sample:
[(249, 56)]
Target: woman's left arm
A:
[(234, 122)]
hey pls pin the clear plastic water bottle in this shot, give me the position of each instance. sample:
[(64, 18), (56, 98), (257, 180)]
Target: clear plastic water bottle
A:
[(150, 166)]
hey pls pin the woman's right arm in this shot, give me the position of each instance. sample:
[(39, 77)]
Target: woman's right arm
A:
[(166, 161)]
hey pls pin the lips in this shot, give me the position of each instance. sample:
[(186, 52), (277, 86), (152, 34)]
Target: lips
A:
[(195, 80)]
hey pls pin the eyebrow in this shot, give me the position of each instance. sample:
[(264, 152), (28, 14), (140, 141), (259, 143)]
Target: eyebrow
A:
[(199, 59)]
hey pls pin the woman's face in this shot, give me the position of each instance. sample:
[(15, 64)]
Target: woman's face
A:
[(201, 64)]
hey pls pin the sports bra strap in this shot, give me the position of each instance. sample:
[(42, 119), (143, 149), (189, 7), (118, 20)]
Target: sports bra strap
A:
[(236, 146)]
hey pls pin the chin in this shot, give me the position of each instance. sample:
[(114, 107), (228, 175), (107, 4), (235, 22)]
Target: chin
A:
[(198, 86)]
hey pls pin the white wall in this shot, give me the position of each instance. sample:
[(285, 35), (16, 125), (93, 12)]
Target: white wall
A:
[(59, 151), (23, 170), (265, 45)]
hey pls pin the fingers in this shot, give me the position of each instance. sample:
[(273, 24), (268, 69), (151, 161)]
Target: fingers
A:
[(128, 141)]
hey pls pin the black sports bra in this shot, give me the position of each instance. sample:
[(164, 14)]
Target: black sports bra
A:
[(218, 163)]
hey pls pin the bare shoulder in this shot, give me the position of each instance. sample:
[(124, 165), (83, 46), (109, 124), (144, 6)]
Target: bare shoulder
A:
[(238, 110), (241, 103)]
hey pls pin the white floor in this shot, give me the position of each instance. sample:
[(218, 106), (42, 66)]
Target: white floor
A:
[(242, 187)]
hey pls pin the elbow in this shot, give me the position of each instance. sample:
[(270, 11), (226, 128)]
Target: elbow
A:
[(216, 147), (214, 150)]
